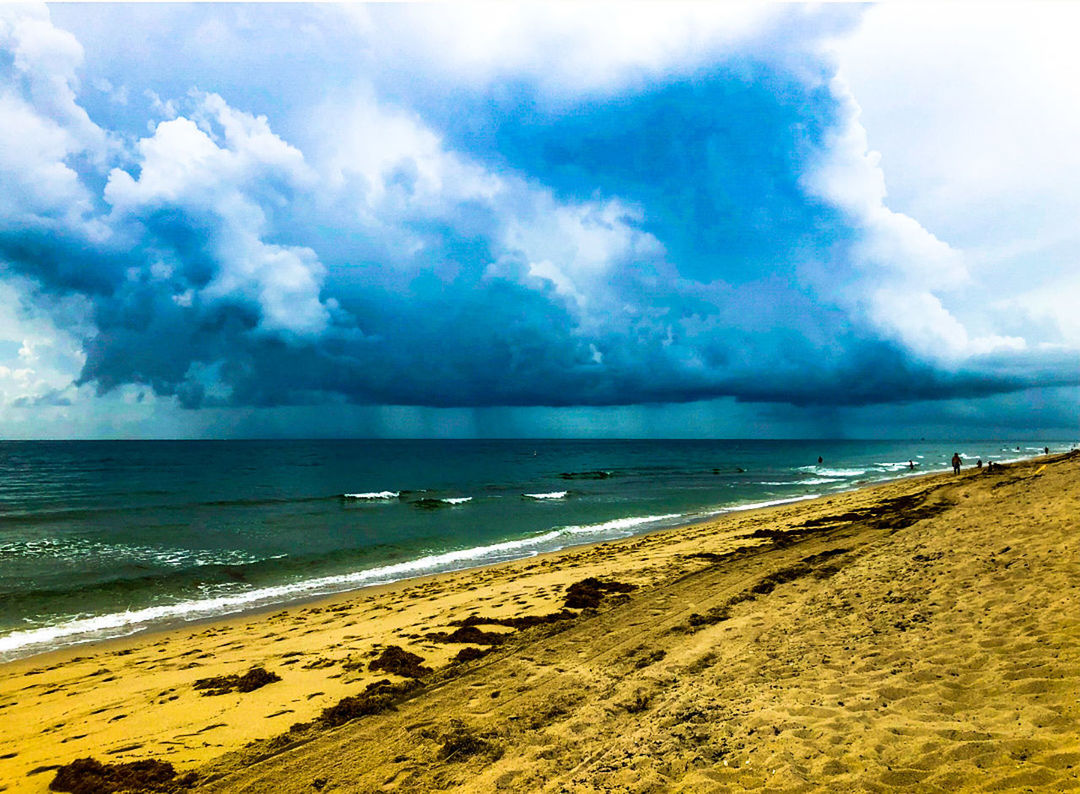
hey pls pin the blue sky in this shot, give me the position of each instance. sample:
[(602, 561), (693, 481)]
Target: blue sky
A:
[(539, 220)]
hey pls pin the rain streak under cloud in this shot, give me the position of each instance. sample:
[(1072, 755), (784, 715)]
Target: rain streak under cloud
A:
[(538, 220)]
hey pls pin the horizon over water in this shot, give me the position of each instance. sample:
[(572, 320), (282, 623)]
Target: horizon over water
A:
[(101, 539)]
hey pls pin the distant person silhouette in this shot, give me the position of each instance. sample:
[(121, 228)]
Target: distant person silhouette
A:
[(1046, 450), (820, 460), (911, 464), (956, 462), (978, 463)]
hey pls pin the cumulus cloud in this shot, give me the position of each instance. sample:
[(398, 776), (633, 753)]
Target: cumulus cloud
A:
[(683, 209), (898, 263), (221, 187), (40, 355), (44, 128), (599, 46), (974, 117)]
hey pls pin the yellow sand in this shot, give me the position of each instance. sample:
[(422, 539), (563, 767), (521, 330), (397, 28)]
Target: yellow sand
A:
[(930, 643)]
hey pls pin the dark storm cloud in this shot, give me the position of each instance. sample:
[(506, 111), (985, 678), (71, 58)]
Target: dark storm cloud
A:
[(659, 244)]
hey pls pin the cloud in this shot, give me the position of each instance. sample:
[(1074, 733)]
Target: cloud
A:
[(599, 46), (974, 116), (898, 264), (685, 209), (44, 127), (218, 174), (41, 355)]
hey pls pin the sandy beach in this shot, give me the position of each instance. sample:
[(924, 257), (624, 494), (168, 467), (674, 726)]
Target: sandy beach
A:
[(918, 635)]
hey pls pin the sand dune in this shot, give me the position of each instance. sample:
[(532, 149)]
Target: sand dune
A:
[(921, 635)]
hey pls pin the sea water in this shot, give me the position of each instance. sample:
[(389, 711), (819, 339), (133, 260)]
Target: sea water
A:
[(101, 539)]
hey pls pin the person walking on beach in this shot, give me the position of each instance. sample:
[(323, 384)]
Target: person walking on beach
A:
[(956, 462)]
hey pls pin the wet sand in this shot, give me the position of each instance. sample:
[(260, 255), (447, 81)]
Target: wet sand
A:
[(918, 635)]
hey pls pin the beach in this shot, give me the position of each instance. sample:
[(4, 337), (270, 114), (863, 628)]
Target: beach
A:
[(920, 634)]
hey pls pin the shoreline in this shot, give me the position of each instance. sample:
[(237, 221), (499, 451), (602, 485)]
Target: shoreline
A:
[(178, 626), (332, 599), (178, 623), (132, 698)]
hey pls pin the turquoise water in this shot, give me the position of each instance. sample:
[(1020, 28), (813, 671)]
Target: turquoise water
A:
[(102, 539)]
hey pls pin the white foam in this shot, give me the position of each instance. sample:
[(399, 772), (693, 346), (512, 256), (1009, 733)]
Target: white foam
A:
[(552, 495), (824, 472), (894, 465), (620, 523), (840, 472), (456, 500), (119, 624), (770, 503), (811, 481), (122, 624), (374, 495), (81, 550)]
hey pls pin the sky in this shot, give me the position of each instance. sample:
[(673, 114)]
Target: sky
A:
[(503, 220)]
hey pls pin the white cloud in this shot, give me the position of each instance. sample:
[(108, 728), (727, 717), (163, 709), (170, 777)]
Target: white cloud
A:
[(893, 247), (37, 181), (567, 48), (923, 324), (388, 167), (378, 147), (43, 126), (976, 114), (230, 168), (576, 246), (46, 357), (379, 174), (47, 59), (900, 264), (968, 102), (1056, 304)]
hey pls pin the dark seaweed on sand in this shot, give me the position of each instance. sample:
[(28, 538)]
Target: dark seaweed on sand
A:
[(588, 593), (897, 513), (469, 634), (461, 742), (377, 697), (821, 565), (469, 654), (524, 622), (88, 776), (397, 660), (767, 584), (253, 679)]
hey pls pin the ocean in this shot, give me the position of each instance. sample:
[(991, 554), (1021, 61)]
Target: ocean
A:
[(101, 539)]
